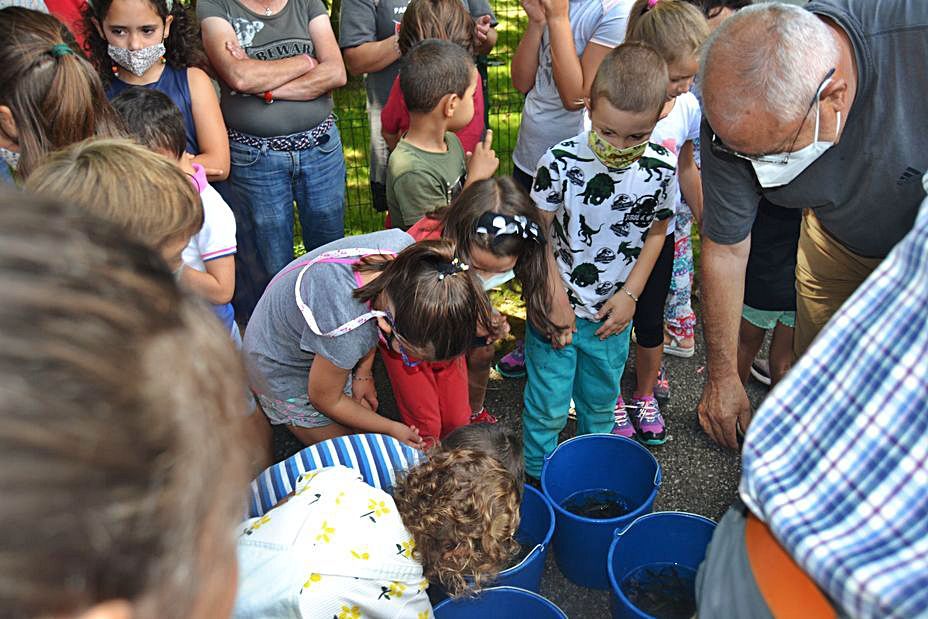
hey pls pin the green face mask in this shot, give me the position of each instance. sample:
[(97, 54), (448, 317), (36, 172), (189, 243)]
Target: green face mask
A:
[(614, 157)]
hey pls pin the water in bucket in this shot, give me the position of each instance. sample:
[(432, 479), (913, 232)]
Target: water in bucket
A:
[(598, 504), (662, 590), (524, 549)]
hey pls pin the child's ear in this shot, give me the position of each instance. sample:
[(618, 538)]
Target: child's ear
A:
[(167, 26), (450, 104), (9, 135)]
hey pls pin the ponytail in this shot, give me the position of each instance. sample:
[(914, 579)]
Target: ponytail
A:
[(437, 301), (52, 91)]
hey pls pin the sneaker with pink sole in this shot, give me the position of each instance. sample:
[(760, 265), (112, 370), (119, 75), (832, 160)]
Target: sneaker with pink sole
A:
[(648, 421)]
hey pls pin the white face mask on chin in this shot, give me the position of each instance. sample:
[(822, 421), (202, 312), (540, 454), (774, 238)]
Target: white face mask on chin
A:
[(772, 174), (496, 280)]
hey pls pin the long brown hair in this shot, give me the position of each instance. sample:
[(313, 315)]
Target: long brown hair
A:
[(501, 194), (435, 313), (56, 99), (120, 459), (437, 19)]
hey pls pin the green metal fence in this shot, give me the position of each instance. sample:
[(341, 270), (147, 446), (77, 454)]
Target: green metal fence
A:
[(504, 107)]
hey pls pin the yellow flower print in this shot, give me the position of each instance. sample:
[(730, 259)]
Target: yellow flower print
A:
[(424, 615), (257, 524), (326, 533), (312, 578), (406, 548), (377, 509), (424, 584), (338, 499), (363, 556), (394, 590), (352, 612), (307, 476)]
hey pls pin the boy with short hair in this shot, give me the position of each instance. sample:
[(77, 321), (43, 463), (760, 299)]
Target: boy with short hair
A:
[(429, 166), (606, 195), (154, 121)]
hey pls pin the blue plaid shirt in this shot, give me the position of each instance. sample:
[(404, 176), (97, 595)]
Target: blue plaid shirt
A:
[(836, 459)]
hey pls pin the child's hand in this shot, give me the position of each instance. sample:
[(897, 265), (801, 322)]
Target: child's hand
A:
[(499, 327), (482, 28), (555, 8), (534, 11), (562, 314), (617, 312), (364, 392), (408, 435), (482, 163)]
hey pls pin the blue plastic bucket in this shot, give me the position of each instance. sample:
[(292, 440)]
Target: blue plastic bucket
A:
[(499, 602), (664, 538), (596, 462), (536, 528)]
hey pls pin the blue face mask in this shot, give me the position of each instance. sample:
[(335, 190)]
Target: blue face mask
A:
[(497, 280)]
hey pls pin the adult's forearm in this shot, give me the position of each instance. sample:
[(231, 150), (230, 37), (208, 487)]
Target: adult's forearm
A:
[(371, 57), (257, 76), (322, 79), (722, 271)]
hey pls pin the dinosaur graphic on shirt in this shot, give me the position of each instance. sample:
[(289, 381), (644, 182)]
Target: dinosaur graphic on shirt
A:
[(653, 166), (586, 232), (629, 253), (562, 155), (585, 275), (599, 188)]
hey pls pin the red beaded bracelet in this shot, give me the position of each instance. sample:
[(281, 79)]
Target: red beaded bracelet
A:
[(268, 97)]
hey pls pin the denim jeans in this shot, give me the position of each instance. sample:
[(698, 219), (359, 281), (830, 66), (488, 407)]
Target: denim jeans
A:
[(270, 181)]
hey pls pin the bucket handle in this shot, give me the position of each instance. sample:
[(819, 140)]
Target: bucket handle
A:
[(620, 531), (658, 475)]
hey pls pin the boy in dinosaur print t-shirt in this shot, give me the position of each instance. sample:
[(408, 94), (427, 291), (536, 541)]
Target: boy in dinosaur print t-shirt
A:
[(606, 196)]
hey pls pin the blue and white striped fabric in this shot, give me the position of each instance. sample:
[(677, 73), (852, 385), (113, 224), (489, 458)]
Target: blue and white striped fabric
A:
[(377, 457), (836, 460)]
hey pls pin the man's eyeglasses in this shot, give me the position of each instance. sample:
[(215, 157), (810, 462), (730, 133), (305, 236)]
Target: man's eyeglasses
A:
[(779, 158)]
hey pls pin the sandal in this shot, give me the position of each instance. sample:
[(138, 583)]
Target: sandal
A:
[(674, 349)]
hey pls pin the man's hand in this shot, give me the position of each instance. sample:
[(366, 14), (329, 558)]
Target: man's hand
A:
[(364, 392), (482, 163), (617, 313), (723, 407)]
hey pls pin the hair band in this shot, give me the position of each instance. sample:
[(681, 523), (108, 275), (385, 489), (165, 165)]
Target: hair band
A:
[(60, 49), (652, 4), (450, 268), (498, 225)]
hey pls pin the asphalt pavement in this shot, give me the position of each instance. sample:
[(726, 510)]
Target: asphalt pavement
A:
[(698, 476)]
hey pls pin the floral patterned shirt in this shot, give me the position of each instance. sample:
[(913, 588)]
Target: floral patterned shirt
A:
[(336, 549)]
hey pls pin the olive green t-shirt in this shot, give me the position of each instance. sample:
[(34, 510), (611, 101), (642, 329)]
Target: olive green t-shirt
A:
[(419, 182)]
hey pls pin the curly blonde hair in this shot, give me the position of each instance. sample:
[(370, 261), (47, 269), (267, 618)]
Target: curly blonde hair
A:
[(462, 509)]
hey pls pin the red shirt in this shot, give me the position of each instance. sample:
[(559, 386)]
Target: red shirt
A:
[(426, 229), (69, 12), (394, 118)]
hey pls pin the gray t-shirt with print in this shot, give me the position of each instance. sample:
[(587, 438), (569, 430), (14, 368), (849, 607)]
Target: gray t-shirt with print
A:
[(280, 347), (363, 21), (866, 189), (273, 37)]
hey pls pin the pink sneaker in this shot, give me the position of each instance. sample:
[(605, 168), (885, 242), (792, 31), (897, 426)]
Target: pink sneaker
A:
[(649, 421), (623, 426)]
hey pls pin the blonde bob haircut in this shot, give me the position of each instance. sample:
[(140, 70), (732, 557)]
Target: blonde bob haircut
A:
[(675, 28), (143, 193)]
